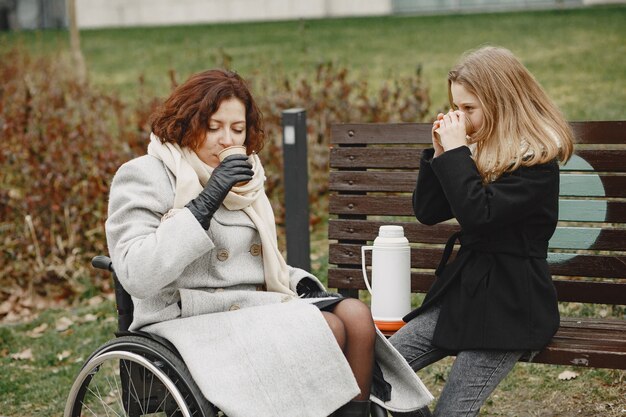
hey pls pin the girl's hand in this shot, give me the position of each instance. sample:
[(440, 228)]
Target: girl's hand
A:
[(435, 136), (451, 130)]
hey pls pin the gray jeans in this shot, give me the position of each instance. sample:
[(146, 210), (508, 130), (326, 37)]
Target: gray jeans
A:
[(474, 374)]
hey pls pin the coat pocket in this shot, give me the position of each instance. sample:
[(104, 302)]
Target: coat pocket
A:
[(184, 303), (476, 272)]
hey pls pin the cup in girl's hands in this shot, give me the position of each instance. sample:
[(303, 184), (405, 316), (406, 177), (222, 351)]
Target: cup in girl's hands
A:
[(469, 126)]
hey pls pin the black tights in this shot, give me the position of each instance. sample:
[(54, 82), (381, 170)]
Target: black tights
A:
[(351, 323)]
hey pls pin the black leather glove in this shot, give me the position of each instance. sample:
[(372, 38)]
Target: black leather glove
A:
[(233, 169), (321, 294), (307, 288)]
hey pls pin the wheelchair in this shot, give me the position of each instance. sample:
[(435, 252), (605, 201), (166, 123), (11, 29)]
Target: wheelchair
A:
[(135, 374), (138, 374)]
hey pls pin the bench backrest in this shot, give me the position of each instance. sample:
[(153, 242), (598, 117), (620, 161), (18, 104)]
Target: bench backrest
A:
[(373, 173)]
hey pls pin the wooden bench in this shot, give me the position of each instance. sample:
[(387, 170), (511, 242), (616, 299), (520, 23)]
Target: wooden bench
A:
[(373, 173)]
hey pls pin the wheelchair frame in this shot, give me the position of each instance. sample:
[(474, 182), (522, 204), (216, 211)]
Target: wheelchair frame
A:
[(135, 374)]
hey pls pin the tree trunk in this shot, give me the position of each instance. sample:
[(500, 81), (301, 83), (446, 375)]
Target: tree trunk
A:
[(77, 56)]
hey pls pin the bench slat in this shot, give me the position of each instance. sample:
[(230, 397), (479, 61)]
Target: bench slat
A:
[(602, 160), (578, 323), (596, 132), (371, 133), (370, 205), (608, 339), (579, 238), (587, 265), (590, 342), (576, 210), (569, 210), (581, 357), (599, 132), (390, 158), (591, 291), (376, 181), (367, 230), (590, 238), (350, 254), (353, 279), (560, 263), (580, 185), (567, 290), (372, 181)]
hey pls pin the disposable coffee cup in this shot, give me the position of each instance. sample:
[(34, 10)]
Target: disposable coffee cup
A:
[(469, 128), (231, 150)]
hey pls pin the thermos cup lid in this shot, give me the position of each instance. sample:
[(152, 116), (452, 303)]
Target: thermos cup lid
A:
[(391, 236), (391, 231)]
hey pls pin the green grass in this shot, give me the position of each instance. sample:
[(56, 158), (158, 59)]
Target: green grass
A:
[(39, 386), (576, 54)]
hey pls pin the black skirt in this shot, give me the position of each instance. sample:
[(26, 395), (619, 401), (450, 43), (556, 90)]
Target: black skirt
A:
[(328, 304)]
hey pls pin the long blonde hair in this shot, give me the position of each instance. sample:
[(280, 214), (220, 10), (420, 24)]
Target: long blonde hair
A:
[(521, 125)]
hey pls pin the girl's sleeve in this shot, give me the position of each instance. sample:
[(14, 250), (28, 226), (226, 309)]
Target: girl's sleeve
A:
[(430, 204), (508, 200), (148, 253)]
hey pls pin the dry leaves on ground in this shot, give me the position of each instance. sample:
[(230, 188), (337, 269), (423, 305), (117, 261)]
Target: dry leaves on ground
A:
[(38, 331), (25, 355), (63, 324), (567, 375), (64, 355)]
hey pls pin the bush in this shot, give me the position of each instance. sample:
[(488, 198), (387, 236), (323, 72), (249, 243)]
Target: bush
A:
[(331, 96), (63, 141)]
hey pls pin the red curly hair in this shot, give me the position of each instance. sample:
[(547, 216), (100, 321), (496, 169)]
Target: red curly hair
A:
[(184, 117)]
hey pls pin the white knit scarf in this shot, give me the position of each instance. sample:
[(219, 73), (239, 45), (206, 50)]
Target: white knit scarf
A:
[(192, 175)]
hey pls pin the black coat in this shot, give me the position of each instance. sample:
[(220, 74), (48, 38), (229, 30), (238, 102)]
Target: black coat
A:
[(497, 293)]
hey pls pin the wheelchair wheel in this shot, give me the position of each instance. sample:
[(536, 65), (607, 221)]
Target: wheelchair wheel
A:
[(134, 376)]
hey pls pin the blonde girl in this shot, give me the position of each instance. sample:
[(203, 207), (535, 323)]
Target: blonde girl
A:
[(493, 167)]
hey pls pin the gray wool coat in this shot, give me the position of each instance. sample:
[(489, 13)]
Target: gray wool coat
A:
[(251, 352)]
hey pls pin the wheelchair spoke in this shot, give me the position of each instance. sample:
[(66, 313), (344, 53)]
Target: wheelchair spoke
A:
[(162, 403), (115, 395), (120, 392), (133, 377), (89, 409), (151, 382), (103, 401), (135, 394)]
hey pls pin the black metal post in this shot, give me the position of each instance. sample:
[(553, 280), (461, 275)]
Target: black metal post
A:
[(296, 188)]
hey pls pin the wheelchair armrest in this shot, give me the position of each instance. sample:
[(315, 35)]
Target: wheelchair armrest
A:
[(102, 262)]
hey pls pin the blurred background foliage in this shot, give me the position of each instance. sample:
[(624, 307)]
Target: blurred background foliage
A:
[(62, 140)]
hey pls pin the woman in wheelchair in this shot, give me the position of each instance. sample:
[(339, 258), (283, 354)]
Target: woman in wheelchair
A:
[(192, 238)]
